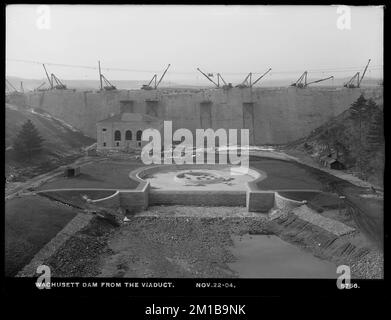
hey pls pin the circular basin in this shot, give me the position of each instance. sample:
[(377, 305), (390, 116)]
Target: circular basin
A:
[(195, 178)]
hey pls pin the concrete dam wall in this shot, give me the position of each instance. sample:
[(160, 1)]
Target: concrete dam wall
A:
[(273, 115)]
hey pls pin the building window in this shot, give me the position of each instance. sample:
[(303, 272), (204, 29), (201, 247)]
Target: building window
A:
[(139, 134), (128, 135), (117, 135), (104, 144), (104, 129)]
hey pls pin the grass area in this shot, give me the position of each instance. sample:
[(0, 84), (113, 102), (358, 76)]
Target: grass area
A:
[(105, 175), (30, 223), (285, 175)]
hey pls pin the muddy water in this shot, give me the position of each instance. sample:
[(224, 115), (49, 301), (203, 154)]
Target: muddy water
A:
[(267, 256)]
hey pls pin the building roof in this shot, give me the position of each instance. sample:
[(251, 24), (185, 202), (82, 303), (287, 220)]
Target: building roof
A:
[(130, 117)]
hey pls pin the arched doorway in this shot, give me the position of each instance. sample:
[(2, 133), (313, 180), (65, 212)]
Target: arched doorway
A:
[(128, 135), (128, 140), (117, 137)]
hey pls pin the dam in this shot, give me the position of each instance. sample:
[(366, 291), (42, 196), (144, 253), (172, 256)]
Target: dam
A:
[(272, 115)]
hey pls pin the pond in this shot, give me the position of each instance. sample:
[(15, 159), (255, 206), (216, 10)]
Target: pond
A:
[(267, 256)]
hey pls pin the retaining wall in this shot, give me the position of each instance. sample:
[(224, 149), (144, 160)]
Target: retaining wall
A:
[(199, 198), (283, 203), (259, 201)]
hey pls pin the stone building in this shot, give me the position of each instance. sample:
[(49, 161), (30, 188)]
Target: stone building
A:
[(123, 131)]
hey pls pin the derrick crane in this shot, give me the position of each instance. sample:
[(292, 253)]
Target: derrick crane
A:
[(355, 81), (55, 83), (156, 83), (59, 85), (225, 85), (148, 86), (247, 82), (219, 77), (302, 81), (107, 84)]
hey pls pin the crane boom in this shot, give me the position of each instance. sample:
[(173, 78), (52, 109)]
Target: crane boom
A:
[(161, 78), (365, 70), (206, 76), (320, 80), (100, 76), (261, 77), (47, 75)]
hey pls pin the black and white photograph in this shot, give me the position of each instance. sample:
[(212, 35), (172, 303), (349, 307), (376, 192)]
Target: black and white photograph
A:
[(193, 147)]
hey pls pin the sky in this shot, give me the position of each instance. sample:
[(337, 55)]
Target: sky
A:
[(231, 40)]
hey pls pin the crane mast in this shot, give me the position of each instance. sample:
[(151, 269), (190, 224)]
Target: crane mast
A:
[(154, 78), (107, 84), (356, 78)]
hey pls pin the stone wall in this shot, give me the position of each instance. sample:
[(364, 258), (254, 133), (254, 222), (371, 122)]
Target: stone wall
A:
[(198, 198), (259, 201)]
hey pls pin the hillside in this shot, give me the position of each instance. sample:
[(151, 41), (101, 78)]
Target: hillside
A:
[(355, 137), (62, 143)]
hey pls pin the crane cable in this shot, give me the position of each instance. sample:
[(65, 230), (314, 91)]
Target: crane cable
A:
[(346, 69)]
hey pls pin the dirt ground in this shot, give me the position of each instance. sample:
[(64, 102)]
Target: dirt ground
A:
[(149, 246), (180, 244)]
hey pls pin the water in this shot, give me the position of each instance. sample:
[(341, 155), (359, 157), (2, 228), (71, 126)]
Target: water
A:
[(267, 256)]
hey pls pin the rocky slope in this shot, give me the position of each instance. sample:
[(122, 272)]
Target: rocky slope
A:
[(62, 143), (355, 137)]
